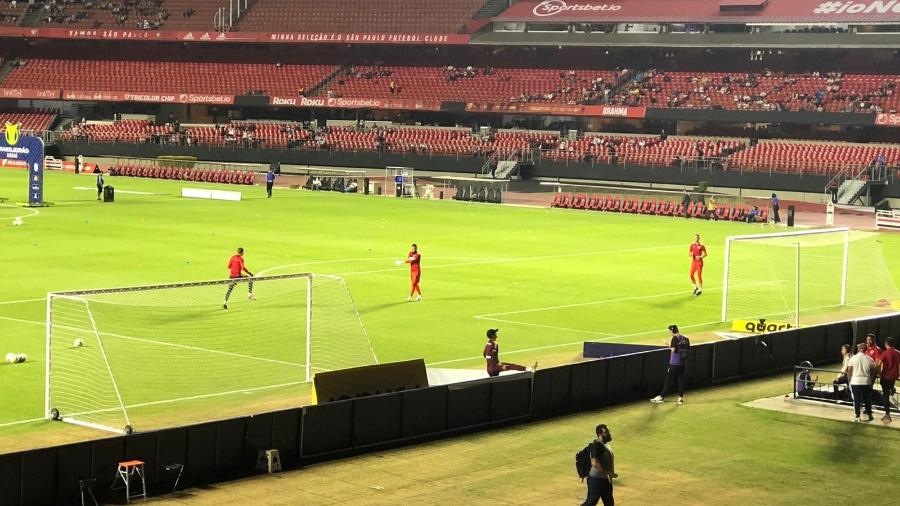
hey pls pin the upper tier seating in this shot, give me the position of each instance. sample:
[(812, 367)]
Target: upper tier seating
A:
[(29, 121), (119, 131), (383, 16), (124, 14), (768, 91), (645, 150), (795, 157), (11, 14), (166, 77), (469, 84)]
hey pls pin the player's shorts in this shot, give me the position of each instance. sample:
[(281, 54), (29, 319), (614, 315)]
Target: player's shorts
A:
[(415, 276), (696, 268)]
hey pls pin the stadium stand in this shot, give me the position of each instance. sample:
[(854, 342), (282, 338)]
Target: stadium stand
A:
[(385, 16), (184, 174), (11, 13), (124, 14), (167, 76), (815, 158), (766, 91), (471, 84), (118, 131), (29, 121), (644, 150)]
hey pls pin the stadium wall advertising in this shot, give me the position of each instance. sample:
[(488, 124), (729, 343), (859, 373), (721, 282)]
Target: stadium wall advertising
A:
[(888, 119), (224, 37), (711, 11)]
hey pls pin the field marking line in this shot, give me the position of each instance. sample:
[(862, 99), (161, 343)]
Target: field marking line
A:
[(516, 259), (318, 262), (489, 316), (22, 321), (130, 192), (592, 332), (22, 301), (34, 212), (562, 345), (184, 346), (191, 398), (20, 422)]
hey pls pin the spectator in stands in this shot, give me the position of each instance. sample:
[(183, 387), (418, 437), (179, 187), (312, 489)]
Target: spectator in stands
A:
[(889, 365), (842, 378), (861, 371), (872, 349)]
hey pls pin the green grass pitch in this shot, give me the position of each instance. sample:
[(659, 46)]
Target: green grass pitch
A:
[(550, 279)]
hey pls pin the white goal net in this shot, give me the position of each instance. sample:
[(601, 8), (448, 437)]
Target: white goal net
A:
[(112, 351), (793, 276)]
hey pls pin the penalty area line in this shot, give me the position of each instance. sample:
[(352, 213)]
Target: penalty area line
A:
[(573, 343)]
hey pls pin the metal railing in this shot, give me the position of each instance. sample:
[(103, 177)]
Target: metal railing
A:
[(829, 386)]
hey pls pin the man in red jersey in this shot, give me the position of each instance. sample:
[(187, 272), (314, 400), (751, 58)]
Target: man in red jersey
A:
[(236, 270), (872, 348), (413, 258), (492, 356), (698, 253), (889, 365)]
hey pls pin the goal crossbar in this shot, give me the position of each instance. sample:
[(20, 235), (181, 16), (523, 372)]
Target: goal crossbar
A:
[(781, 235)]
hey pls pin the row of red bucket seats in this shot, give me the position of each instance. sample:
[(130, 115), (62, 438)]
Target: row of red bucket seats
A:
[(202, 175), (617, 203)]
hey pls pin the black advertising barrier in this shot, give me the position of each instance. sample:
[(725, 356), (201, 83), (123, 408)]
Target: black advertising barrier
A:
[(228, 449)]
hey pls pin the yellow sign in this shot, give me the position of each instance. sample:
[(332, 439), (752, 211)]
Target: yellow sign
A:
[(12, 133), (760, 326)]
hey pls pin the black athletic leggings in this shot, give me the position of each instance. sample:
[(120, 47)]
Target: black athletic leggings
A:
[(675, 374)]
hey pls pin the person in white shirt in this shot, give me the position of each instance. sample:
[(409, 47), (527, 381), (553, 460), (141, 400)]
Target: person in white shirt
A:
[(861, 371), (842, 378)]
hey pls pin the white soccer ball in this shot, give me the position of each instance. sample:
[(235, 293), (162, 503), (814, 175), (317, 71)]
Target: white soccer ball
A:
[(78, 343), (18, 221), (11, 357)]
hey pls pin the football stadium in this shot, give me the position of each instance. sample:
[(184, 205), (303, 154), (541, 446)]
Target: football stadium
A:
[(269, 251)]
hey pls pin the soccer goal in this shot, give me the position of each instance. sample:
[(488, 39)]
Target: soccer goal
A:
[(115, 355), (805, 274)]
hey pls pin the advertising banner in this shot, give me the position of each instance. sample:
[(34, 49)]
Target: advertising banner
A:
[(713, 11), (17, 150)]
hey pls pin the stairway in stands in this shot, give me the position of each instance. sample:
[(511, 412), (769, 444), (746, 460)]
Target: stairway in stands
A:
[(491, 9)]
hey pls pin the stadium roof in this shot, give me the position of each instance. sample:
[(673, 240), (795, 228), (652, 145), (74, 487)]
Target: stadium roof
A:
[(705, 11)]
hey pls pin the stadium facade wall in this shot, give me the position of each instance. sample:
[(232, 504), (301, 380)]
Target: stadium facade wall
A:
[(465, 164), (227, 449)]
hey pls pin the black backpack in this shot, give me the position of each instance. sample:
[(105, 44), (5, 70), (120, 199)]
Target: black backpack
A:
[(583, 460)]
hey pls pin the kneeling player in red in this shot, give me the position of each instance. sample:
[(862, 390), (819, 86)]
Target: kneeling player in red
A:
[(492, 356), (697, 253)]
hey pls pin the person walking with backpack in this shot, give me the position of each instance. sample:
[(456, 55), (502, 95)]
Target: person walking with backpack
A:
[(596, 463), (679, 347)]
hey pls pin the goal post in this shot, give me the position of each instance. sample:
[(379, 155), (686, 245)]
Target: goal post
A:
[(782, 275), (125, 357)]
